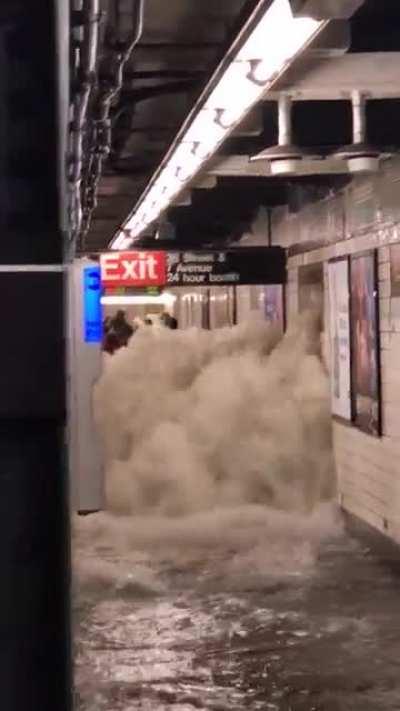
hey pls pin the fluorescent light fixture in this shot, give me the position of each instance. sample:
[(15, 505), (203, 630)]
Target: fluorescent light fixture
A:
[(235, 92), (166, 299), (274, 42), (123, 241), (117, 241), (278, 36), (205, 128)]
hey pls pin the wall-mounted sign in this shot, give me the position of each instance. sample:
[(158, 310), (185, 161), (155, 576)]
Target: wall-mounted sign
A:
[(243, 265), (92, 313), (140, 268)]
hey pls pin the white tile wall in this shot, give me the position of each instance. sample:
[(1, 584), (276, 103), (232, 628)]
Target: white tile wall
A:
[(368, 468)]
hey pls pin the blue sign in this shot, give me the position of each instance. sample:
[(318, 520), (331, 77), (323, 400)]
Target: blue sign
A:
[(92, 311)]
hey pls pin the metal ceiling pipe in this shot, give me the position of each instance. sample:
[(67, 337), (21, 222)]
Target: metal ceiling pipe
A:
[(122, 57), (359, 117), (101, 141), (285, 120), (88, 72), (89, 50), (360, 156)]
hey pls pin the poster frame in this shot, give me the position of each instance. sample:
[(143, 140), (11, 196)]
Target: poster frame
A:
[(394, 271), (373, 253), (339, 418)]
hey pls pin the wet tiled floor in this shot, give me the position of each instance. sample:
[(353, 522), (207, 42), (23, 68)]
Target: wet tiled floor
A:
[(187, 635)]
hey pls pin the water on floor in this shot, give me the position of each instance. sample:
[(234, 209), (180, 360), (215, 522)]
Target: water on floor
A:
[(307, 622)]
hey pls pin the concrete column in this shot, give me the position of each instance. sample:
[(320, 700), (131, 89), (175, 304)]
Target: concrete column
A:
[(34, 531)]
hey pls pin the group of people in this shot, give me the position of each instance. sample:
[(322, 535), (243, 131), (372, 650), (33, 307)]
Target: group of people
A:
[(117, 331)]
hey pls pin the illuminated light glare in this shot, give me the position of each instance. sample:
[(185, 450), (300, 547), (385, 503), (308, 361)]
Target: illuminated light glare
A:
[(162, 198), (166, 299), (126, 243), (134, 223), (278, 36), (205, 128), (150, 215), (274, 42), (169, 181), (185, 160), (234, 90), (121, 239), (205, 148), (164, 189), (202, 149), (230, 116)]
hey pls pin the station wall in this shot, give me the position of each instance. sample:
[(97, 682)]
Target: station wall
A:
[(225, 306), (191, 307), (365, 215), (250, 302)]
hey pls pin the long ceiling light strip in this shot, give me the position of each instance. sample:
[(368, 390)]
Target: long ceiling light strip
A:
[(273, 44), (165, 299)]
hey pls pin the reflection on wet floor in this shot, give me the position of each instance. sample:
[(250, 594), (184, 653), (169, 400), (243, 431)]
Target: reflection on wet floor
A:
[(183, 636)]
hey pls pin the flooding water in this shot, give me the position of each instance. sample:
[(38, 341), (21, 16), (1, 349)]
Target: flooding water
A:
[(219, 580), (221, 631)]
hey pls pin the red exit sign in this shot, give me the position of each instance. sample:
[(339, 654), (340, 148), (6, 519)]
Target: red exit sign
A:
[(140, 269)]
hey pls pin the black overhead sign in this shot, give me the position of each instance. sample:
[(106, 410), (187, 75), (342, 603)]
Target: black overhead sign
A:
[(241, 265)]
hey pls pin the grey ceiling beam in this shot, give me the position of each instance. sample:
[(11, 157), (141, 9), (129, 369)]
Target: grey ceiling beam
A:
[(325, 9), (334, 40), (240, 166), (374, 74), (205, 182)]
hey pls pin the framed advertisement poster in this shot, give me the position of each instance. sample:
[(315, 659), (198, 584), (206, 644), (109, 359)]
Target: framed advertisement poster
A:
[(339, 331), (365, 343), (395, 270), (274, 305)]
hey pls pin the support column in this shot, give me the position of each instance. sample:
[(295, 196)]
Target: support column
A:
[(34, 530)]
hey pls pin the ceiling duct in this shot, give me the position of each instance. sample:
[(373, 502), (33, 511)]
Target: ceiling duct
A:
[(325, 9), (360, 156), (285, 157)]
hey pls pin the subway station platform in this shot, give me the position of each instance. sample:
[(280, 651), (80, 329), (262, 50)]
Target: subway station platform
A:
[(200, 131)]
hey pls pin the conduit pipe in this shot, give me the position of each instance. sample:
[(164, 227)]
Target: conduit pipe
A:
[(360, 156), (89, 49), (101, 139), (284, 158)]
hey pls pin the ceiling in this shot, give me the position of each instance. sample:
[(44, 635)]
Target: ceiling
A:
[(181, 44)]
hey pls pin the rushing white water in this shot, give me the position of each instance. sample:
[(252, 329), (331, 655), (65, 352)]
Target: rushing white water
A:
[(220, 479), (195, 420), (214, 441)]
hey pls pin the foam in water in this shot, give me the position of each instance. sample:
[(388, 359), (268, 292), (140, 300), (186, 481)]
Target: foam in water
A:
[(195, 420), (215, 440)]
